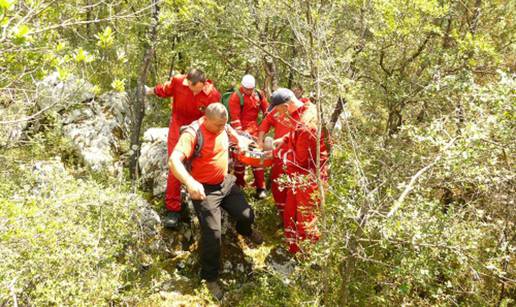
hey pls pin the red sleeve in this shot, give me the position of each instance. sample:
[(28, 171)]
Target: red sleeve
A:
[(234, 111), (285, 148), (214, 95), (185, 144), (297, 150), (264, 104), (267, 122), (167, 89), (302, 149)]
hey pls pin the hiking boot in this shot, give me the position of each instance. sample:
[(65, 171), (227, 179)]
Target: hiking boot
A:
[(171, 220), (260, 194), (256, 238), (215, 289)]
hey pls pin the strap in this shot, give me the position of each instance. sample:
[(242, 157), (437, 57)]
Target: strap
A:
[(195, 129), (259, 92), (241, 98)]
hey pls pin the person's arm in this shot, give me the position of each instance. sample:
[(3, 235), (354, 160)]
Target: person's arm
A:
[(261, 135), (264, 104), (264, 128), (214, 95), (302, 149), (182, 151), (194, 187), (234, 111), (281, 145), (163, 90)]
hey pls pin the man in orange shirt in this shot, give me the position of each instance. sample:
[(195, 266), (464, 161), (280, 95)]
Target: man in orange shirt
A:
[(190, 94), (211, 187), (244, 117)]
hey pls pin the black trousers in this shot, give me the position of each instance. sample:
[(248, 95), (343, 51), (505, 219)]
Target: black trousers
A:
[(228, 196)]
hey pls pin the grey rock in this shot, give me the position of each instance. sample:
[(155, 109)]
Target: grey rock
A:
[(97, 129), (57, 94), (96, 126), (153, 159), (147, 218), (13, 110), (280, 261)]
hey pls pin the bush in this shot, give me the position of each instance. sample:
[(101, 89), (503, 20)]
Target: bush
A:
[(65, 241)]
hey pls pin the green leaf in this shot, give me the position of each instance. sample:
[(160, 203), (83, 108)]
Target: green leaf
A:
[(83, 56), (118, 85), (6, 4), (105, 38), (21, 34)]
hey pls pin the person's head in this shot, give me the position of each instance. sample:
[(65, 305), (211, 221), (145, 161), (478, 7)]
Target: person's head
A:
[(216, 117), (283, 100), (196, 80), (298, 91), (248, 84)]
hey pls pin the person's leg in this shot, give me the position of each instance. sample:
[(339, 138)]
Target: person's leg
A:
[(307, 202), (173, 190), (289, 221), (236, 205), (239, 170), (208, 212), (279, 194), (259, 178)]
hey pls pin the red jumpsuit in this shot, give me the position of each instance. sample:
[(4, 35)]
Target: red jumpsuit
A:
[(299, 156), (186, 107), (245, 118), (282, 125)]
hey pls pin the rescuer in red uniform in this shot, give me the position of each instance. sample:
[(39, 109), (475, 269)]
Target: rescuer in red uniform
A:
[(245, 105), (190, 95), (298, 151)]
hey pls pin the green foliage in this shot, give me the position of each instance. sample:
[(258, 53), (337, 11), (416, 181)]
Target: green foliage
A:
[(64, 241), (428, 85), (105, 38)]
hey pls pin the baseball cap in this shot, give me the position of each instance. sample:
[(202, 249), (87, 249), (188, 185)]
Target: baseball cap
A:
[(280, 96), (248, 81)]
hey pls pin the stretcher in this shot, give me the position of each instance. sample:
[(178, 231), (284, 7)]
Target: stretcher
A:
[(255, 158)]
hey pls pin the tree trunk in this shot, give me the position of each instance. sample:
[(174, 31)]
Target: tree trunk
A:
[(339, 108), (88, 18), (138, 107), (271, 81)]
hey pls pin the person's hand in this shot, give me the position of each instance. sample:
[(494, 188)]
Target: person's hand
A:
[(277, 143), (259, 143), (195, 189), (149, 90), (243, 143)]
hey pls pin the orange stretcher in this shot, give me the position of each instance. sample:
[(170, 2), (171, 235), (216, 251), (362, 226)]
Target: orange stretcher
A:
[(254, 158)]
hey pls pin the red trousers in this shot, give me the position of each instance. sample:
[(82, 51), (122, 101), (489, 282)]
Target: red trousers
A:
[(258, 172), (279, 194), (299, 216), (173, 191)]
